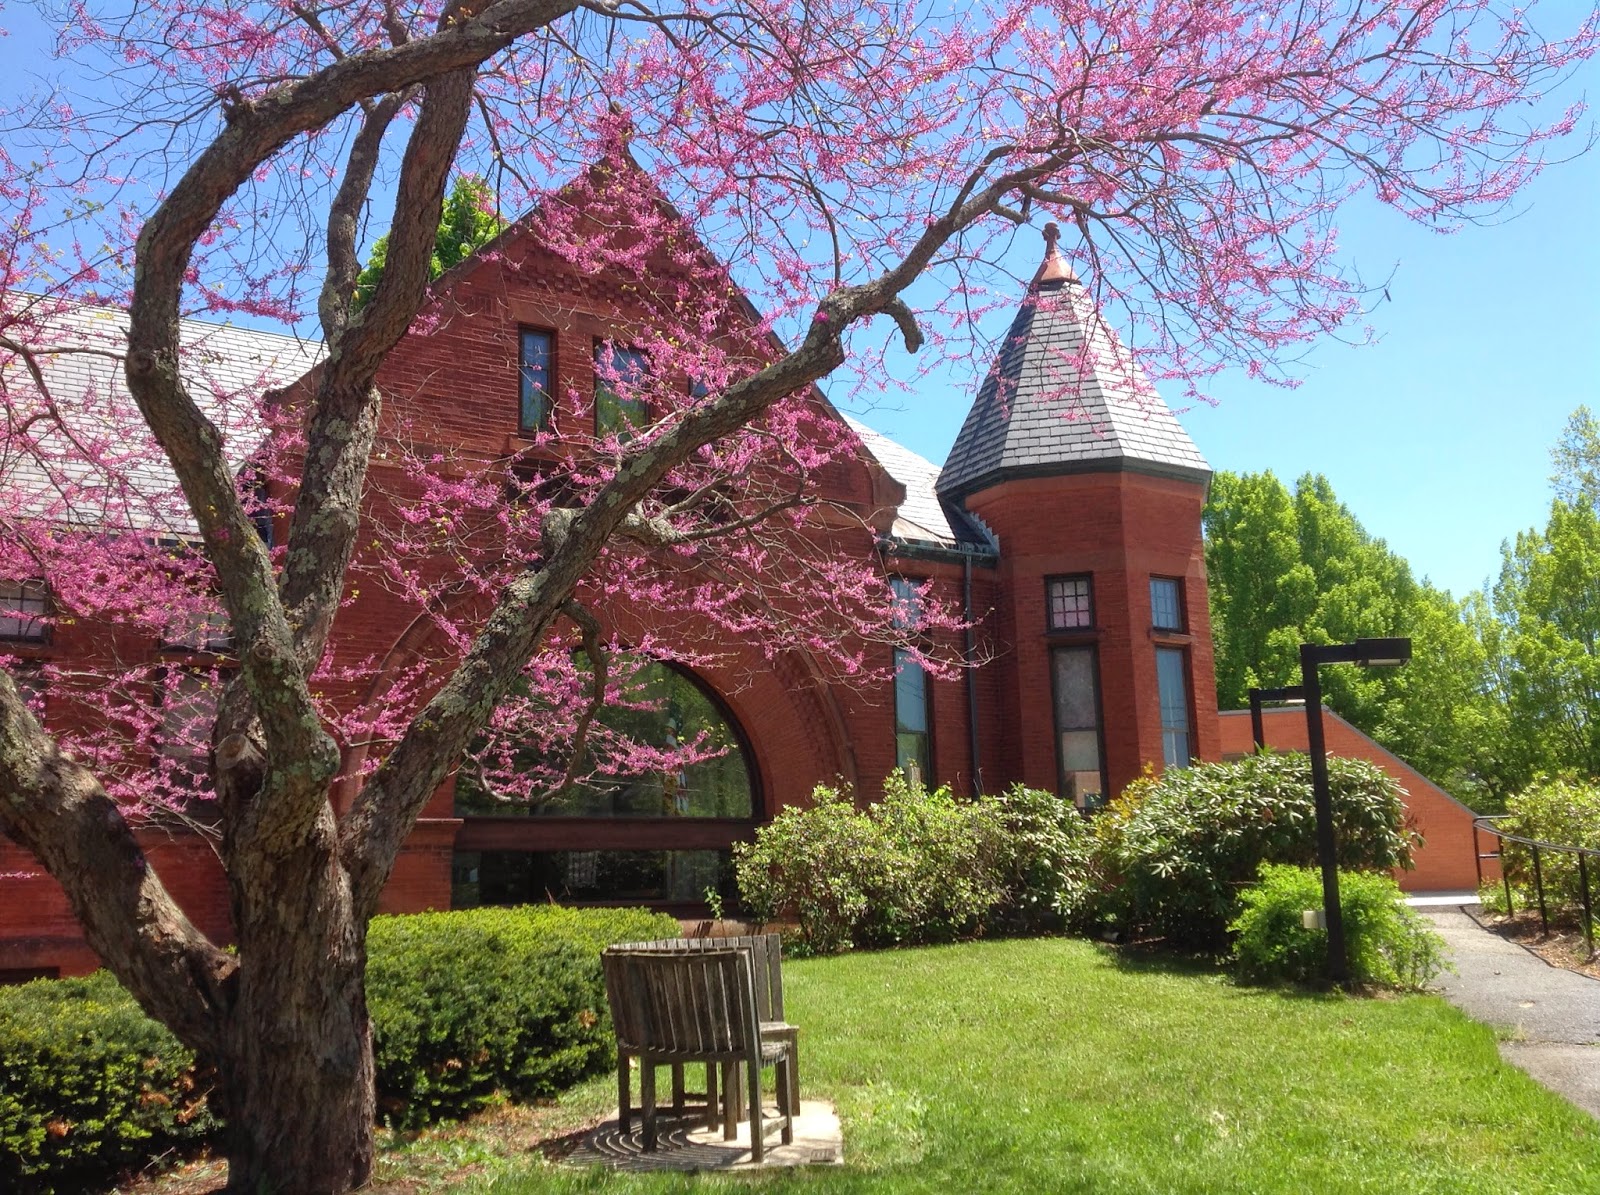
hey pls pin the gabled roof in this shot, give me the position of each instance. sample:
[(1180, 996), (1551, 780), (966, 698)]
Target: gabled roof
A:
[(44, 474), (1064, 396), (923, 518)]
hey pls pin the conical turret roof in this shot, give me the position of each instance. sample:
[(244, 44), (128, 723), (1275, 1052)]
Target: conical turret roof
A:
[(1064, 395)]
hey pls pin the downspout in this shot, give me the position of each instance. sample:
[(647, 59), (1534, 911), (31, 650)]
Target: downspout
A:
[(970, 654)]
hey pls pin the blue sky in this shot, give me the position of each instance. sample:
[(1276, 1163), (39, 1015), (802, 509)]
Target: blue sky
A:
[(1437, 437)]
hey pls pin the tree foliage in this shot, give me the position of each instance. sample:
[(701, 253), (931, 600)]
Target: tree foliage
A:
[(1290, 568), (470, 221), (838, 161), (1546, 637)]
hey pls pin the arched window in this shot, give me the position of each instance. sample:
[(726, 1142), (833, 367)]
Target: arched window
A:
[(667, 707)]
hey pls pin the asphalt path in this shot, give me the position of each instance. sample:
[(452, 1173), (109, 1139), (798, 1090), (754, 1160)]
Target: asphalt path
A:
[(1549, 1017)]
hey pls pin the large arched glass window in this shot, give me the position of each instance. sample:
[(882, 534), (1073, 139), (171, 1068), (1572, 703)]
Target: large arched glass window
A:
[(667, 707)]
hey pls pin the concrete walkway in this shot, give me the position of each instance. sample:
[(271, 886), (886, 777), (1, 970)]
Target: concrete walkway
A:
[(1550, 1016)]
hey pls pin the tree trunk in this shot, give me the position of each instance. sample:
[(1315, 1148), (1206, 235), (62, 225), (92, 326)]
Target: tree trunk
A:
[(297, 1075)]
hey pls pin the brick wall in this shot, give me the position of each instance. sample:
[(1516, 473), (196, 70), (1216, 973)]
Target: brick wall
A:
[(1445, 861), (1121, 528)]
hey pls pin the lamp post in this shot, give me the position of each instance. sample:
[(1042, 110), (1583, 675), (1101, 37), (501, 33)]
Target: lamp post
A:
[(1368, 653), (1285, 694)]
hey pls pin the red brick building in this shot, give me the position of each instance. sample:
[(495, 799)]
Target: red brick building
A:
[(1066, 522)]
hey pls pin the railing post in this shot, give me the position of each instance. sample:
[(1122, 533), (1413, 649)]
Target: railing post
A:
[(1583, 884), (1477, 854), (1505, 872), (1538, 884)]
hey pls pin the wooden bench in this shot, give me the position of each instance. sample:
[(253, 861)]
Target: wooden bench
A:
[(682, 1006), (766, 960)]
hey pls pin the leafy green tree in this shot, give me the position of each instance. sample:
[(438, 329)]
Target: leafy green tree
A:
[(1548, 648), (1261, 590), (1289, 568), (469, 222), (1576, 458)]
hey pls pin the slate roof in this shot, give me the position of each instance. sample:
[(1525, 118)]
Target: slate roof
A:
[(1063, 396), (923, 518), (44, 474)]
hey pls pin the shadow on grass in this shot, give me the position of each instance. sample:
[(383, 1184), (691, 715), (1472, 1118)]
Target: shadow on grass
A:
[(1159, 957)]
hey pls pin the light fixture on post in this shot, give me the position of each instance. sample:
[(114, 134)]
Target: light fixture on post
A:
[(1283, 695), (1368, 653)]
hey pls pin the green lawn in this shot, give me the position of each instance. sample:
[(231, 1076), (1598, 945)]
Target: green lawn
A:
[(1056, 1066)]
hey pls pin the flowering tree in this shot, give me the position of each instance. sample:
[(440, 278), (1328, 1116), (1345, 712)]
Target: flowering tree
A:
[(843, 160)]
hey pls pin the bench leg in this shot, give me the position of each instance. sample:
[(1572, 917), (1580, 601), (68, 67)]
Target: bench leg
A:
[(713, 1109), (624, 1108), (647, 1097), (758, 1144), (677, 1089), (794, 1075), (783, 1073), (730, 1101)]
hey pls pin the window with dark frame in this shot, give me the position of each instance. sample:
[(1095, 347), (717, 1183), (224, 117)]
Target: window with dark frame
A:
[(202, 632), (1172, 683), (912, 740), (1166, 604), (25, 610), (535, 370), (188, 700), (1069, 602), (913, 746), (1075, 684), (619, 411), (905, 613)]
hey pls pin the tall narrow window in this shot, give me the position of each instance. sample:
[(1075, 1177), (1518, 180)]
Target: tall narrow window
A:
[(24, 609), (1077, 709), (1166, 603), (619, 372), (188, 711), (533, 373), (1172, 682), (1069, 603), (912, 740)]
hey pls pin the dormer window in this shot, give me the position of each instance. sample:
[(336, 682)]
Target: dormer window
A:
[(535, 370), (619, 372)]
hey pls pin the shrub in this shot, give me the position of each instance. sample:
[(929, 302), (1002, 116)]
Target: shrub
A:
[(470, 1005), (464, 1006), (1182, 846), (941, 879), (89, 1085), (1045, 863), (1387, 943), (918, 867), (816, 865), (1559, 809)]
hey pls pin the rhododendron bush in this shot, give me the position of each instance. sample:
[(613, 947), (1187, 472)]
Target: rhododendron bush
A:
[(785, 190)]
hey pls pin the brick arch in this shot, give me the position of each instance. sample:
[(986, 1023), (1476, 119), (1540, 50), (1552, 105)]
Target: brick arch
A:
[(787, 712), (790, 716)]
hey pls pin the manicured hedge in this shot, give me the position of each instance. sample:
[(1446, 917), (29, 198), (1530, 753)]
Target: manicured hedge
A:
[(89, 1085), (464, 1005), (469, 1004)]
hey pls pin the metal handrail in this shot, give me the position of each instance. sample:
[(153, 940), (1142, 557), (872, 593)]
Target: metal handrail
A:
[(1535, 846)]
